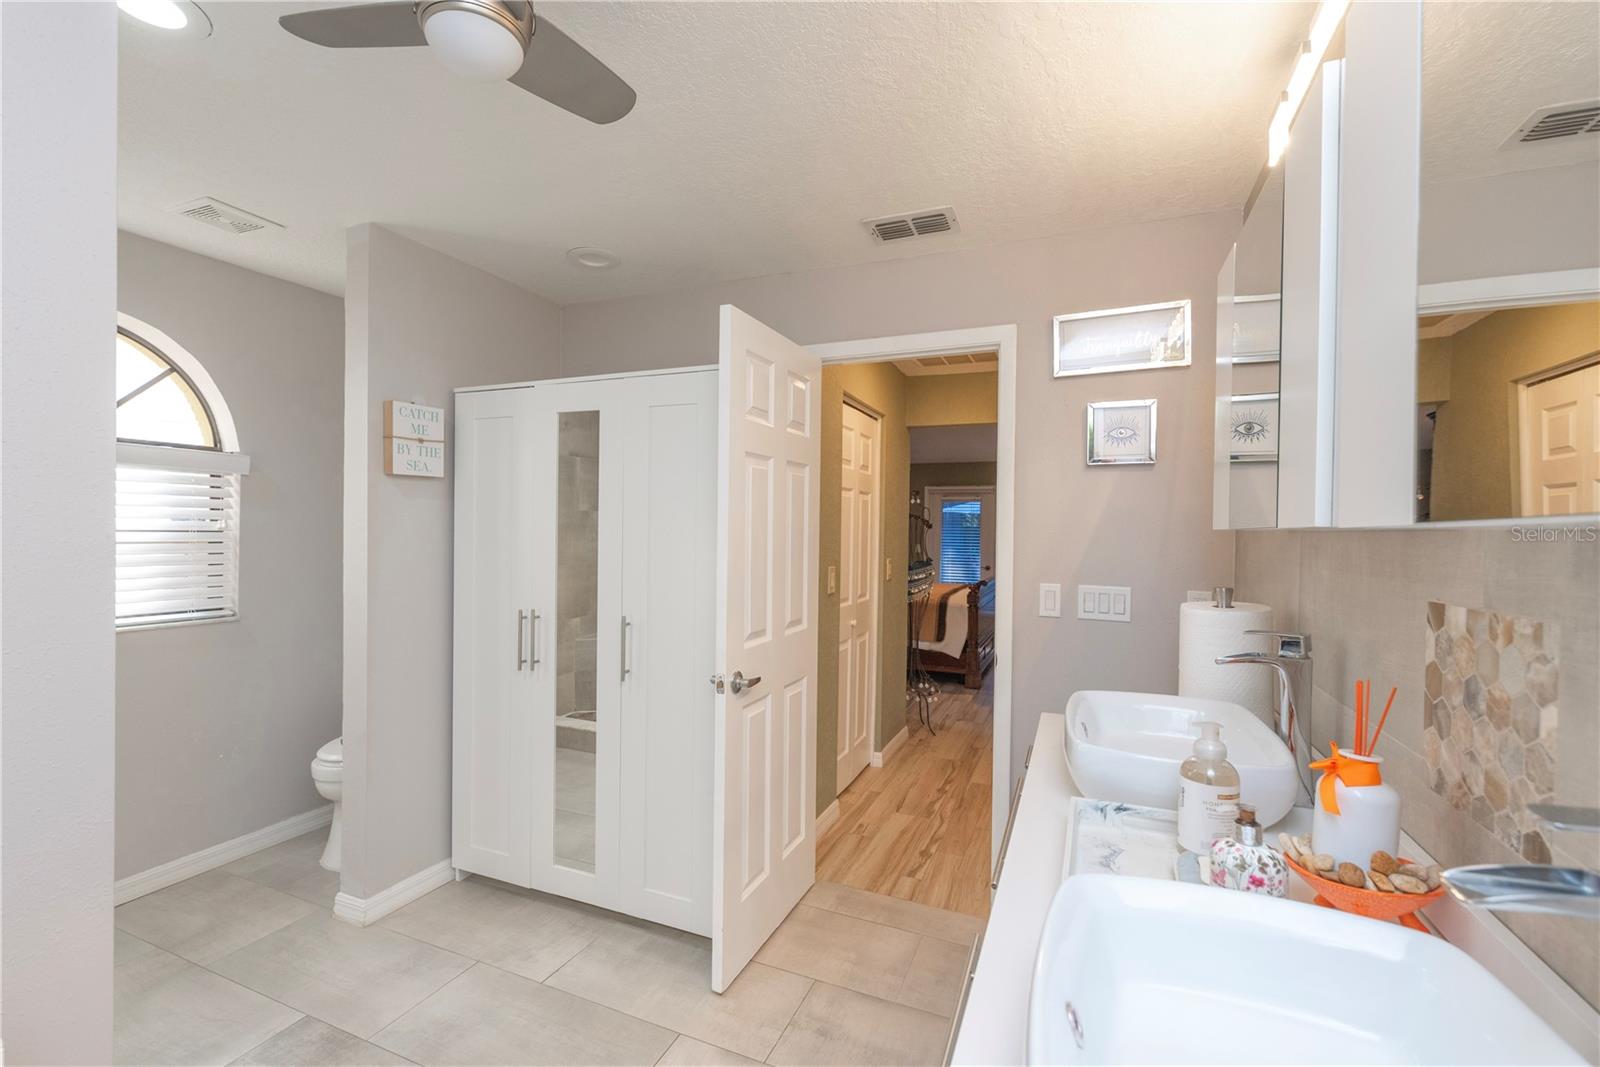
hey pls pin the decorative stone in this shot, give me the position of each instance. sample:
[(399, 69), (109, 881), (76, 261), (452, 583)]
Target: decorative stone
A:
[(1477, 624), (1534, 847), (1352, 875), (1465, 656), (1540, 769), (1320, 862), (1488, 665), (1431, 749), (1405, 883), (1472, 771), (1441, 719), (1383, 863), (1380, 882), (1472, 696), (1435, 615), (1432, 682), (1513, 670), (1453, 689), (1542, 680), (1510, 755), (1497, 705), (1444, 649), (1496, 790), (1525, 717)]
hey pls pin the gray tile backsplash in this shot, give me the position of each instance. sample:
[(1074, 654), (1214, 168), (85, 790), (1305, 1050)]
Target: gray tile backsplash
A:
[(1364, 597)]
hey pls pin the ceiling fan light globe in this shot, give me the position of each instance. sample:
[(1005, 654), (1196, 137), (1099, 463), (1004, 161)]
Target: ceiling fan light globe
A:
[(473, 46)]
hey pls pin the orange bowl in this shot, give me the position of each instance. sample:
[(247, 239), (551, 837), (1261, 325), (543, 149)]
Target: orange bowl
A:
[(1369, 902)]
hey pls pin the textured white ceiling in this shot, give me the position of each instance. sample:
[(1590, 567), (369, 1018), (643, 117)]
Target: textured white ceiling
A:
[(1487, 66), (764, 132)]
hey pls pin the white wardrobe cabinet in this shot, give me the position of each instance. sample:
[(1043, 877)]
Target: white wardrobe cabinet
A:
[(585, 541)]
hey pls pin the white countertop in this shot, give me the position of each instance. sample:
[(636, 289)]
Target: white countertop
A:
[(994, 1026)]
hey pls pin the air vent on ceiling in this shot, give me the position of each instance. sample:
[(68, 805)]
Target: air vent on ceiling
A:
[(1560, 120), (913, 224), (225, 217)]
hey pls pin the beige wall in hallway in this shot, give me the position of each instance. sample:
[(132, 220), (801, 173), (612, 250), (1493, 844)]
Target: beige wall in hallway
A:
[(1145, 527), (1475, 441), (882, 388), (926, 474)]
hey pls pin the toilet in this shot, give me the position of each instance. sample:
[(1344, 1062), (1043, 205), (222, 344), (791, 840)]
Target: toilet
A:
[(327, 771)]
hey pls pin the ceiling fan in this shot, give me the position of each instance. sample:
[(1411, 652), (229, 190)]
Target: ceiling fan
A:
[(484, 40)]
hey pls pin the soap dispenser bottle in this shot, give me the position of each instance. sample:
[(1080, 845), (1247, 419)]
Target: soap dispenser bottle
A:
[(1245, 861), (1208, 792)]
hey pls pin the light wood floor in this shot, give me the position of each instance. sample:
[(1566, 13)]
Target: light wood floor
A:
[(918, 829)]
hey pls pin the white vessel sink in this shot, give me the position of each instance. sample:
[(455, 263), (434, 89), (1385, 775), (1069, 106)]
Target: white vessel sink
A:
[(1132, 970), (1127, 747)]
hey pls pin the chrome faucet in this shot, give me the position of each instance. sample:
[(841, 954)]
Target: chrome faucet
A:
[(1539, 888), (1290, 660)]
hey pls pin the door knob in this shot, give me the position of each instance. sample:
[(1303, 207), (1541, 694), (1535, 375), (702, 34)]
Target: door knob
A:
[(738, 683)]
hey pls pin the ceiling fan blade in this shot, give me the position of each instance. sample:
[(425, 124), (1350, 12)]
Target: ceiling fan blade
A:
[(562, 71), (391, 25)]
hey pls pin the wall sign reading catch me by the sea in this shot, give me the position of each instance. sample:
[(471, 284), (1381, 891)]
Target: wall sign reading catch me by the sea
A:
[(413, 440)]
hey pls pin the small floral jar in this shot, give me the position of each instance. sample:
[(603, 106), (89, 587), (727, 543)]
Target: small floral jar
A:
[(1245, 861)]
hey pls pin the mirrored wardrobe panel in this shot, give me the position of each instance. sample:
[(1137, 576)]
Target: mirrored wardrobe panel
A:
[(1508, 309)]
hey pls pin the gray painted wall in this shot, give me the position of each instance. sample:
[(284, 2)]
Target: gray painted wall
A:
[(1146, 527), (240, 707), (58, 83), (417, 325)]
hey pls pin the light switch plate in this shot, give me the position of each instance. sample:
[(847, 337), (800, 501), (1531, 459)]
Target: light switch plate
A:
[(1049, 600), (833, 579), (1105, 603)]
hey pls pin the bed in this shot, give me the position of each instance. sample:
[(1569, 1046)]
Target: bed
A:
[(954, 628)]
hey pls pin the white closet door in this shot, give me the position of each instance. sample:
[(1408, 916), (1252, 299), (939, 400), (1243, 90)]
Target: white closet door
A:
[(860, 461), (1561, 444), (493, 686), (575, 543), (669, 547)]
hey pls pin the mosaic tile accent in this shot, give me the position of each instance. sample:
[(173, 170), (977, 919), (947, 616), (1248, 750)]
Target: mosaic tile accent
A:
[(1489, 719)]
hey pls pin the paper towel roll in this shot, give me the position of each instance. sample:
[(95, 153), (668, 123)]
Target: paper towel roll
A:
[(1205, 632)]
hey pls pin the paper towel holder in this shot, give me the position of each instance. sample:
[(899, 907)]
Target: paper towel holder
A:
[(1222, 596)]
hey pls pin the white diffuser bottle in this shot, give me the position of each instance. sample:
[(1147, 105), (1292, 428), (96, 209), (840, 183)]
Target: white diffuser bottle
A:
[(1355, 812), (1208, 792)]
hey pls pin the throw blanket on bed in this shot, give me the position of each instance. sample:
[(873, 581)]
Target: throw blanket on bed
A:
[(943, 598)]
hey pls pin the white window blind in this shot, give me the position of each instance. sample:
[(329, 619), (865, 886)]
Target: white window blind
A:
[(177, 530), (961, 541)]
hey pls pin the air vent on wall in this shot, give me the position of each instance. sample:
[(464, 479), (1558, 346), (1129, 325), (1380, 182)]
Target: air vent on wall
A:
[(1560, 120), (912, 224), (225, 217)]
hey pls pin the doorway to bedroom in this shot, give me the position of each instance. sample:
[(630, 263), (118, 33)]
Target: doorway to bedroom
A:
[(909, 545)]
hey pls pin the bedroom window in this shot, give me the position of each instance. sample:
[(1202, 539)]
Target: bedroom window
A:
[(177, 487), (960, 541)]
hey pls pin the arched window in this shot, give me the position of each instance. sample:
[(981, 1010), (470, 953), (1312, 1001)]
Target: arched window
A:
[(179, 474)]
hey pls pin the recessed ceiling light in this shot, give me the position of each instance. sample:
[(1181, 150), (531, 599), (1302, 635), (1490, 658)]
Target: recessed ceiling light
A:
[(592, 258), (178, 16)]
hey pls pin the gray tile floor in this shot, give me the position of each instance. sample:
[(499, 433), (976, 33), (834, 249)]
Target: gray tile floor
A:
[(246, 965)]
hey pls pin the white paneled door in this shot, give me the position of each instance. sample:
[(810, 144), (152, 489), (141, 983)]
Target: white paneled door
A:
[(1561, 444), (858, 591), (764, 771)]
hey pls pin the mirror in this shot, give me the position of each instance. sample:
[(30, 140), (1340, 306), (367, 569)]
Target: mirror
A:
[(1252, 422), (1249, 313), (1508, 310)]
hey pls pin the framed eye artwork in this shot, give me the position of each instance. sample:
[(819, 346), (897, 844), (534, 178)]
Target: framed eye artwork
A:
[(1122, 431), (1253, 428)]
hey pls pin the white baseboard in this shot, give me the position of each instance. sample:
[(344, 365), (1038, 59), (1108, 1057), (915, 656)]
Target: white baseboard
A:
[(880, 758), (365, 911), (829, 816), (174, 871)]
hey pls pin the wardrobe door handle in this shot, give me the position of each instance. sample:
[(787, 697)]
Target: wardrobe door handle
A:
[(533, 639), (522, 654), (627, 668)]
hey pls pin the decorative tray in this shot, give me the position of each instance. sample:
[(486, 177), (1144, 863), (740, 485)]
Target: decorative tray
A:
[(1106, 837)]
